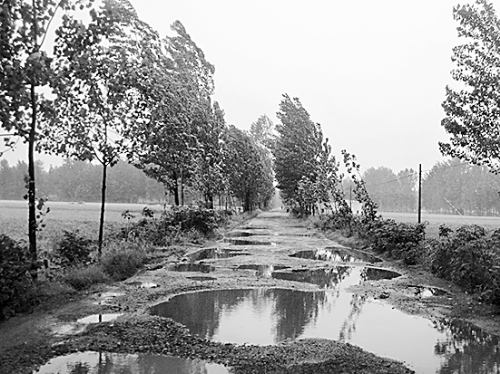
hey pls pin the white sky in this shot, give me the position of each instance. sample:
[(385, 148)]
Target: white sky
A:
[(372, 73)]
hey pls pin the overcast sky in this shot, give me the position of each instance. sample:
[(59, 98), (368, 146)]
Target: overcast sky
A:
[(372, 73)]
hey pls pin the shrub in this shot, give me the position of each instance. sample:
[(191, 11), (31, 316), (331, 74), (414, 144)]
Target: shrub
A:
[(400, 240), (15, 280), (84, 277), (122, 263), (172, 224), (468, 257), (73, 248)]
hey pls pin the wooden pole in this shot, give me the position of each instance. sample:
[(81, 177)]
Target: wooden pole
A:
[(419, 220)]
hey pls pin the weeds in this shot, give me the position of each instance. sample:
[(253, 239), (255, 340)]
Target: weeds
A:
[(82, 278), (122, 263)]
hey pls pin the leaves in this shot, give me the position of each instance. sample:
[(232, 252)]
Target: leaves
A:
[(473, 111)]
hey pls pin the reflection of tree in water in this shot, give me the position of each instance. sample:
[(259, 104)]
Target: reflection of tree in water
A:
[(149, 364), (349, 325), (467, 349), (106, 364), (324, 278), (294, 310), (199, 311)]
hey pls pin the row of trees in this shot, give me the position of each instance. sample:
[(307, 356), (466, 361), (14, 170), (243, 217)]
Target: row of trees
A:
[(80, 181), (120, 91)]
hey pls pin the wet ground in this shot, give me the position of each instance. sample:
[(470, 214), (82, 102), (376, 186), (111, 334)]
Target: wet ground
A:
[(249, 299)]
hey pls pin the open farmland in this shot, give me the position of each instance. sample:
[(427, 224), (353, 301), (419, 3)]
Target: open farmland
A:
[(435, 220), (65, 216)]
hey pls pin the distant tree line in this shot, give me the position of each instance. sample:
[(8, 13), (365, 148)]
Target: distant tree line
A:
[(80, 181), (450, 187)]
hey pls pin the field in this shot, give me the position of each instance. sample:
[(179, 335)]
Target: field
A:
[(85, 218), (435, 220), (65, 216)]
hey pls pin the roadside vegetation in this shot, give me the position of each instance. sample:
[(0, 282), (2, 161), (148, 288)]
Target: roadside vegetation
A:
[(72, 263)]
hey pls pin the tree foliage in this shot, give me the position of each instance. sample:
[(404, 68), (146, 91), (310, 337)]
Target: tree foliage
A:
[(249, 170), (297, 148), (473, 110)]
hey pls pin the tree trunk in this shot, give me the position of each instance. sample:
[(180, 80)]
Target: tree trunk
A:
[(103, 202), (31, 185), (247, 202), (31, 161), (182, 189)]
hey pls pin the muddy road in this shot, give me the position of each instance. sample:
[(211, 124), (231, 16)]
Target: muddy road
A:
[(272, 296)]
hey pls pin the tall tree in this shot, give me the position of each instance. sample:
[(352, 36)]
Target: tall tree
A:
[(166, 145), (97, 71), (25, 67), (249, 169), (382, 185), (263, 131), (297, 148), (473, 111)]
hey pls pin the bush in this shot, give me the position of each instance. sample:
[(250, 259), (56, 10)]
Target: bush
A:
[(175, 223), (84, 277), (399, 240), (73, 248), (15, 280), (469, 258), (122, 263)]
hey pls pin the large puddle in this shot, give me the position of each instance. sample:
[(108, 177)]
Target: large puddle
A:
[(337, 255), (114, 363), (337, 276), (269, 316), (216, 253)]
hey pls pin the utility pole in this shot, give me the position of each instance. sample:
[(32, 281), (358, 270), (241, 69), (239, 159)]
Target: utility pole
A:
[(419, 220)]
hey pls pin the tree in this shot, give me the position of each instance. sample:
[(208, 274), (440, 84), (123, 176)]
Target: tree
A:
[(382, 185), (406, 192), (297, 149), (98, 73), (209, 176), (179, 105), (24, 67), (473, 112), (262, 131), (249, 169)]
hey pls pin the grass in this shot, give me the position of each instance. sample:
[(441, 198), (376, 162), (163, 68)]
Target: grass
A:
[(64, 216)]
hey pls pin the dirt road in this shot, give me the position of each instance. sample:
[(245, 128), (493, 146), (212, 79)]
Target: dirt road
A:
[(301, 296)]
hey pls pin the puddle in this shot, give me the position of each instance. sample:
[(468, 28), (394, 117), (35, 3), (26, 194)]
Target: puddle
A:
[(216, 253), (421, 291), (237, 234), (114, 363), (265, 271), (336, 255), (270, 316), (184, 267), (202, 279), (106, 298), (143, 284), (255, 228), (335, 277), (97, 318), (247, 242)]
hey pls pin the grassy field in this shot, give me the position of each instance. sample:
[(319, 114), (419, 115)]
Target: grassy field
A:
[(65, 216), (435, 220)]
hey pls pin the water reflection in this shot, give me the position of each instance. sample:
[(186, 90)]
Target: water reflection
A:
[(468, 349), (334, 277), (113, 363), (269, 316), (216, 253), (336, 255)]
